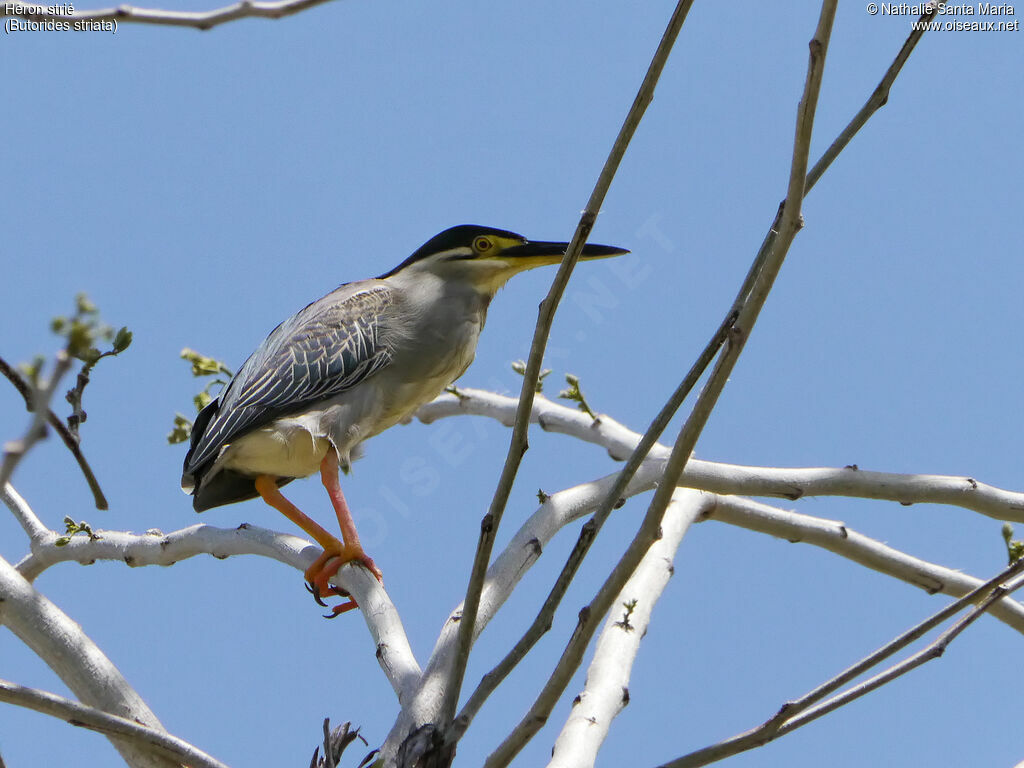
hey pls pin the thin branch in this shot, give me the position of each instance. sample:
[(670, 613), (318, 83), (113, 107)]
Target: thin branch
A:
[(542, 623), (518, 443), (156, 548), (933, 651), (779, 482), (646, 535), (794, 714), (838, 538), (23, 512), (275, 9), (41, 395), (877, 100), (71, 441), (606, 691), (178, 750)]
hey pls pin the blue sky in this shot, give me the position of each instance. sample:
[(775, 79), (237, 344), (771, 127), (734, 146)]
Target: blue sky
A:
[(202, 186)]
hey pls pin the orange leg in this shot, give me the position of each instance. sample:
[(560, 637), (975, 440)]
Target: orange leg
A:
[(329, 477), (335, 554)]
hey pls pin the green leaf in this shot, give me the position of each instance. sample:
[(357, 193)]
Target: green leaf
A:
[(71, 528), (575, 394), (519, 366), (89, 356), (202, 365), (122, 340), (182, 430)]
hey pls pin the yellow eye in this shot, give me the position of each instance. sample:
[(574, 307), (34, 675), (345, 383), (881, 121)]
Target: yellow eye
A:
[(482, 244)]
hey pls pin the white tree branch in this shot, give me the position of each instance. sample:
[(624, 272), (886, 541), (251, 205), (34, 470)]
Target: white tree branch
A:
[(161, 742), (275, 9), (606, 691), (23, 513), (566, 506), (61, 643), (508, 568), (156, 548), (394, 653), (716, 477), (838, 538)]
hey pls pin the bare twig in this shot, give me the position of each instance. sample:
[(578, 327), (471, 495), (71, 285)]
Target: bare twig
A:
[(796, 713), (94, 719), (275, 9), (65, 434), (790, 223), (877, 100), (612, 500), (15, 450), (838, 538), (933, 651), (518, 444)]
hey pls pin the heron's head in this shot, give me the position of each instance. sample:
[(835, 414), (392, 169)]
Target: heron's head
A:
[(486, 257)]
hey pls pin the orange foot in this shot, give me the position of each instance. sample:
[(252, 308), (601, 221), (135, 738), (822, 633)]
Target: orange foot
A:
[(327, 565)]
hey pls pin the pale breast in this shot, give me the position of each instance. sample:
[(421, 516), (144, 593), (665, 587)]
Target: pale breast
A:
[(289, 447)]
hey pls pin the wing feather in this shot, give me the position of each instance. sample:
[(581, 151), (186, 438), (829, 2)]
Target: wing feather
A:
[(318, 353)]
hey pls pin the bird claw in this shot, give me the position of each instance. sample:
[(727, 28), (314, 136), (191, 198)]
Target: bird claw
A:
[(313, 586), (315, 592), (323, 569), (337, 610)]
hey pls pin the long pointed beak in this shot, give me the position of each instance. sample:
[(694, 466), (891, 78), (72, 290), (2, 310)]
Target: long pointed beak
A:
[(552, 253)]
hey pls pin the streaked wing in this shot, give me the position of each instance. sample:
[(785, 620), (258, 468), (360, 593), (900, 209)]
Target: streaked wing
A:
[(323, 350)]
